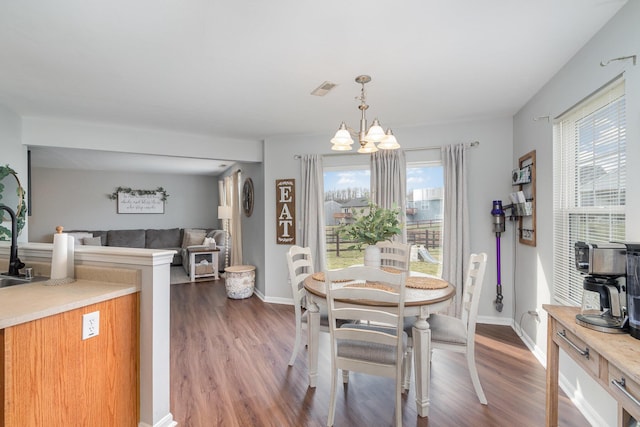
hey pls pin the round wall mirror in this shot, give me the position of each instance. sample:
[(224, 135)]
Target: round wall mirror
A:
[(247, 197), (11, 195)]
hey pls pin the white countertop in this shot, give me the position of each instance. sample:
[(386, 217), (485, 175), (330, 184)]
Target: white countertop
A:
[(24, 303)]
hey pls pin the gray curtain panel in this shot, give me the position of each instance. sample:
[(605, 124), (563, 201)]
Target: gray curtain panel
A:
[(312, 203), (455, 227), (389, 183)]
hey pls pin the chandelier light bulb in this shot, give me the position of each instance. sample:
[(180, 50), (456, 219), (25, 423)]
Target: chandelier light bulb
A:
[(369, 147), (375, 133), (342, 140), (389, 142)]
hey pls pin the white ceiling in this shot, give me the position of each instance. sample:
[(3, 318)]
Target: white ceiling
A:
[(245, 69)]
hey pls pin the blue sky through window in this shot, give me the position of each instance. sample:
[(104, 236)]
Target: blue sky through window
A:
[(417, 177)]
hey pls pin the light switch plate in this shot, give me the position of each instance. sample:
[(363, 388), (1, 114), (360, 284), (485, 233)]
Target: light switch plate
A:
[(90, 325)]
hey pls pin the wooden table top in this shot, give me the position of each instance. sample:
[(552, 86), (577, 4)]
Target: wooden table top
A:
[(413, 297), (202, 249)]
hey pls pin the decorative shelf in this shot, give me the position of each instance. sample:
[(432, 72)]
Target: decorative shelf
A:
[(527, 223)]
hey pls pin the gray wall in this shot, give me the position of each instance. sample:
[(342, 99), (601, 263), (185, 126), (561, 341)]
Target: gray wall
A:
[(13, 153), (534, 265), (77, 199)]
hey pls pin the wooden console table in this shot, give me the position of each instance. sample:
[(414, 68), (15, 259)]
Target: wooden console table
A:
[(613, 360)]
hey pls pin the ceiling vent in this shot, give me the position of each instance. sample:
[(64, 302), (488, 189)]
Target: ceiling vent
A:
[(323, 89)]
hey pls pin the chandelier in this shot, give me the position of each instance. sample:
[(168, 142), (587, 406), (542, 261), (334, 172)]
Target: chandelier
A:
[(368, 138)]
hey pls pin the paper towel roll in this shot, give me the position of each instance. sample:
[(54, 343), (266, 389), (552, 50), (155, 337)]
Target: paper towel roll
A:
[(71, 273), (59, 256)]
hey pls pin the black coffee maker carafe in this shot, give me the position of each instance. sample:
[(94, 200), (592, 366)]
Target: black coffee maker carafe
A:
[(633, 288)]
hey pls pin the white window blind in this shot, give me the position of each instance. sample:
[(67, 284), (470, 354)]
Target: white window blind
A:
[(589, 182)]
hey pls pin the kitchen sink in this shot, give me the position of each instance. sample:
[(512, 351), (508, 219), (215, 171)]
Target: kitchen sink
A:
[(13, 280)]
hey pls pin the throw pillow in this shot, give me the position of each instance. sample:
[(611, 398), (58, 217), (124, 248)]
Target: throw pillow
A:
[(79, 236), (193, 237), (92, 241)]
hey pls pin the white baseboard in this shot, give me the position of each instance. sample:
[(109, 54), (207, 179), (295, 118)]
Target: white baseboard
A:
[(495, 320), (592, 416), (272, 300), (166, 421)]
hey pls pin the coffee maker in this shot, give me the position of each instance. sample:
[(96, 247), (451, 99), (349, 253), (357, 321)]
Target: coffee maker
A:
[(604, 298), (633, 288)]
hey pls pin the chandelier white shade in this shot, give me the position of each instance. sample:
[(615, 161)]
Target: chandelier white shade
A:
[(368, 138)]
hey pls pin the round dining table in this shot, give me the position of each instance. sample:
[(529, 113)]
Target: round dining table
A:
[(418, 302)]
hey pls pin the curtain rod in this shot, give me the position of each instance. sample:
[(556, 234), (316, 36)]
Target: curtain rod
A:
[(351, 153)]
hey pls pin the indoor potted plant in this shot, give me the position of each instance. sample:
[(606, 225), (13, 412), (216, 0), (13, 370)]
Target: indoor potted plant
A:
[(372, 225)]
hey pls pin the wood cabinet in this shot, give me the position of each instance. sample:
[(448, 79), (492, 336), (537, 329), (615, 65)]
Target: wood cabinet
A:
[(50, 376), (610, 359)]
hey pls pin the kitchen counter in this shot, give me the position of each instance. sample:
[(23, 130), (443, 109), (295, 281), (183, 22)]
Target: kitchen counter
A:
[(114, 271), (24, 303)]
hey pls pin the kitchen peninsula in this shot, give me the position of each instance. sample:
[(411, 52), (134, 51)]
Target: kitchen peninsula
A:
[(120, 376)]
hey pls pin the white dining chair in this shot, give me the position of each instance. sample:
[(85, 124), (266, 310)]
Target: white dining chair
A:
[(374, 348), (300, 264), (396, 255), (458, 334)]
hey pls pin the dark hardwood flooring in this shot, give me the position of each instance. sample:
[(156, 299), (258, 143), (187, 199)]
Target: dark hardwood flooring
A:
[(229, 368)]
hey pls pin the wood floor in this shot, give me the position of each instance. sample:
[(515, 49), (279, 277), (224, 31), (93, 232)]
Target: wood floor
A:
[(229, 368)]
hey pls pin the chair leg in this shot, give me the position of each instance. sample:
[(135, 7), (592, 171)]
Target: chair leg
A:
[(345, 376), (471, 362), (296, 346), (332, 397), (407, 365), (399, 400)]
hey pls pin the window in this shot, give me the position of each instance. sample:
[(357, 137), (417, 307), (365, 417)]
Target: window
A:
[(425, 209), (348, 187), (345, 188), (589, 182)]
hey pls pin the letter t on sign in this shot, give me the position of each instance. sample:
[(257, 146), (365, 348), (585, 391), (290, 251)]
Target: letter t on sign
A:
[(286, 211)]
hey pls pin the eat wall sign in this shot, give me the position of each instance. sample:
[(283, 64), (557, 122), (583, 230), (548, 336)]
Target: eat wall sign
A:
[(286, 211)]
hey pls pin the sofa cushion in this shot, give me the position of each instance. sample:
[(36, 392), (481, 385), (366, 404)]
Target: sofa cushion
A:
[(163, 239), (102, 235), (126, 238), (79, 236), (92, 241)]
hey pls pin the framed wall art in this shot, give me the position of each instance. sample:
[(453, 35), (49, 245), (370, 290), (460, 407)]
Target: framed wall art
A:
[(139, 201), (286, 211)]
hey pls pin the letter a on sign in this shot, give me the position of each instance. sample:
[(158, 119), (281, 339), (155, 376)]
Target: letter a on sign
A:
[(286, 211)]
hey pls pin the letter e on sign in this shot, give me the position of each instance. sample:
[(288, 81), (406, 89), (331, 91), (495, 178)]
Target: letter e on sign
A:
[(286, 211)]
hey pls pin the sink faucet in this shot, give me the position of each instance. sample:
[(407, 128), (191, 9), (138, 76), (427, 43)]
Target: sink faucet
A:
[(14, 262)]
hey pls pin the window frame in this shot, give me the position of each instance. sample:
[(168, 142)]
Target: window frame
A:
[(573, 218)]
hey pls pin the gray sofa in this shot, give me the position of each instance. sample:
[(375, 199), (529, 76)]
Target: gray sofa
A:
[(172, 238)]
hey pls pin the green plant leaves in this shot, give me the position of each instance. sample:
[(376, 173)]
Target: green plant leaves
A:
[(372, 224), (114, 195)]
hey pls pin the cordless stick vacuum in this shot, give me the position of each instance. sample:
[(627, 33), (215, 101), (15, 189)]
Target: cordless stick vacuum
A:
[(498, 227)]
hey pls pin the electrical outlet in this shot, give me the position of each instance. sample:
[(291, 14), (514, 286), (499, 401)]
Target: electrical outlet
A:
[(90, 325)]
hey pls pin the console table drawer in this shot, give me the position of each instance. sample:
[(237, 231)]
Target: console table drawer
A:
[(625, 390), (577, 349)]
